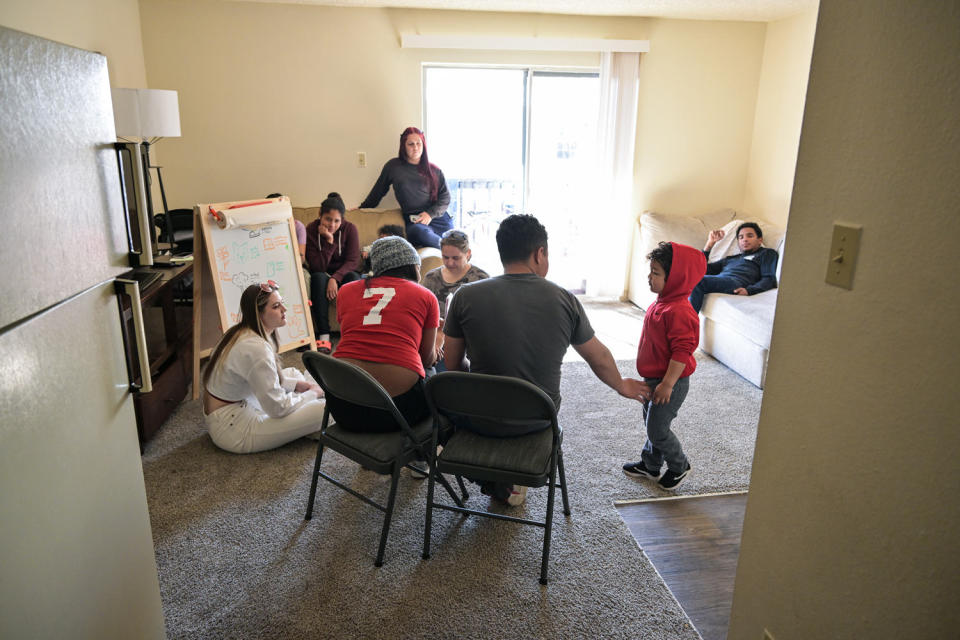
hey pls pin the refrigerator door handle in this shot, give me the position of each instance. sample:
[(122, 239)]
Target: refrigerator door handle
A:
[(121, 149), (132, 289)]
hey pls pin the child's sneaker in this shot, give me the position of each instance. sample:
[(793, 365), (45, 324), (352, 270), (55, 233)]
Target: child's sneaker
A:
[(639, 470), (671, 480), (517, 496)]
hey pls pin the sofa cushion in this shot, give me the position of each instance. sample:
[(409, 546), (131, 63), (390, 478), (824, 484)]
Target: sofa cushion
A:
[(751, 316), (367, 220), (713, 220), (692, 230), (653, 228)]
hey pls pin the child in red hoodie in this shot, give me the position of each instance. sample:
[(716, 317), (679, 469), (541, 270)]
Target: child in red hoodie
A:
[(671, 333)]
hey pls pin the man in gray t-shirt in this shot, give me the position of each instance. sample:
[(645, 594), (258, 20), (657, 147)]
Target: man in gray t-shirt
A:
[(520, 324)]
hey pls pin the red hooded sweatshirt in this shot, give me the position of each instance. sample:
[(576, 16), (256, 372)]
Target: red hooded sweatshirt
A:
[(671, 328)]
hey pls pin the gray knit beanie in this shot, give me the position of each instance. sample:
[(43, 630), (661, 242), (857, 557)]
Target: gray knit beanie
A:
[(392, 252)]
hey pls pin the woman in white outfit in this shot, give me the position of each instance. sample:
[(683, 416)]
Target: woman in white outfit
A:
[(251, 404)]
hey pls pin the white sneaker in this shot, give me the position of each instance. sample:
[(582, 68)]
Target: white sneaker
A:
[(517, 496)]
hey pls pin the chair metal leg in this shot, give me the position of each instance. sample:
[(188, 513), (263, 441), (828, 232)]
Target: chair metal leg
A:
[(463, 489), (429, 517), (563, 484), (389, 514), (548, 524), (453, 494), (313, 483)]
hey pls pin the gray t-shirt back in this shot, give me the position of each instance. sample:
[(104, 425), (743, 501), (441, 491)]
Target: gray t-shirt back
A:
[(518, 325)]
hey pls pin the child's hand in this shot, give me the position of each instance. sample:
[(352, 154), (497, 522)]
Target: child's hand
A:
[(661, 395)]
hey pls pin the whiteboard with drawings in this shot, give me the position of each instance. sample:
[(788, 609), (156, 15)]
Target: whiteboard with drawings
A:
[(248, 243)]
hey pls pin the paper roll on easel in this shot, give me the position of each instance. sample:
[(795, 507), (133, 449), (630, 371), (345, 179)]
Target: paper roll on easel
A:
[(252, 213)]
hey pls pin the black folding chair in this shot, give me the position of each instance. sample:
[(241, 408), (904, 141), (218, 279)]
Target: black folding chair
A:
[(384, 453), (506, 407)]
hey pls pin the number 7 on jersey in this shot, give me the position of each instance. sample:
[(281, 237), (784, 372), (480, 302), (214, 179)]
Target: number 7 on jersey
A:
[(386, 293)]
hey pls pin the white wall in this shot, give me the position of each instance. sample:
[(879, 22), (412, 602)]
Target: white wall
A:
[(852, 524), (776, 125), (281, 97), (111, 27)]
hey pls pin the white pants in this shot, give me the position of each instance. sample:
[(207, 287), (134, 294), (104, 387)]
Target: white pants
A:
[(245, 428)]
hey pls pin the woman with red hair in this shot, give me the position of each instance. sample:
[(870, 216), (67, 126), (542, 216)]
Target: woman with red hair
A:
[(419, 187)]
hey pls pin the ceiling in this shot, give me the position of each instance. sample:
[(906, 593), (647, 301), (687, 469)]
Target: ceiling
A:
[(748, 10)]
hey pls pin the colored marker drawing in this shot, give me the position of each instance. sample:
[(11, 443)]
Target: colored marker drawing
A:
[(245, 252), (275, 269), (223, 257)]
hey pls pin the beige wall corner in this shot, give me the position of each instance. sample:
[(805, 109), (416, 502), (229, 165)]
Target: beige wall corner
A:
[(698, 91), (111, 27), (776, 127), (851, 524)]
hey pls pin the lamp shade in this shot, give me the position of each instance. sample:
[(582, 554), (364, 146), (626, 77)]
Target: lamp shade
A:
[(146, 113)]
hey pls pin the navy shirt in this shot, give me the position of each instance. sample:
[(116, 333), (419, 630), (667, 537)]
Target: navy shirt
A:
[(757, 271)]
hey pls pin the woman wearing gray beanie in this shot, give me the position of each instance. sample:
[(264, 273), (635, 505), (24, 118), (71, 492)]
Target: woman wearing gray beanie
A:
[(388, 326)]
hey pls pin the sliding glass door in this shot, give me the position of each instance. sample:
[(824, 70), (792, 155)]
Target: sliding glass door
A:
[(515, 140)]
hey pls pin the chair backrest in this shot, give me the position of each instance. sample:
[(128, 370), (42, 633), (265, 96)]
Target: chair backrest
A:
[(348, 382), (499, 405)]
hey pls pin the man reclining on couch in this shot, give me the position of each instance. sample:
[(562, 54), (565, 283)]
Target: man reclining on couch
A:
[(752, 271)]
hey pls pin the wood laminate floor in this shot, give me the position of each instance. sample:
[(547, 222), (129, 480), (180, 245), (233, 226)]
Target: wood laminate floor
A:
[(694, 543)]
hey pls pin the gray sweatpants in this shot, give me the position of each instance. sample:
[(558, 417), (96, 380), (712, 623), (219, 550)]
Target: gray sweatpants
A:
[(662, 445)]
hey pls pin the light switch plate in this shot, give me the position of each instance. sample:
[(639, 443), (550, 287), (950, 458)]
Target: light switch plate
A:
[(844, 249)]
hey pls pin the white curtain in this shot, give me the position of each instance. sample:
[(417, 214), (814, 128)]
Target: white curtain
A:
[(616, 140)]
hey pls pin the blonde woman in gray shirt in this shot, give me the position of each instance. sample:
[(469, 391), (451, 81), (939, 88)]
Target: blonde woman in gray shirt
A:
[(456, 271)]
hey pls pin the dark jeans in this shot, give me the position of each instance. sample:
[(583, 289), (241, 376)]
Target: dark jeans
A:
[(714, 284), (412, 405), (662, 445), (320, 309), (423, 235)]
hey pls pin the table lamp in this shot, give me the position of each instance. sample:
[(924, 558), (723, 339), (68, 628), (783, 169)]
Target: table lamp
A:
[(147, 116)]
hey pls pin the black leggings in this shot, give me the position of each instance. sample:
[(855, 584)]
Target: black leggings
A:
[(412, 405), (320, 307)]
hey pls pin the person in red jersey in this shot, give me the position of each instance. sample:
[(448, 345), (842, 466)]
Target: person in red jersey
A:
[(388, 327)]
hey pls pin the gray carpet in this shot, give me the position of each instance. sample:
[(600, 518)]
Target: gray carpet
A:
[(237, 560)]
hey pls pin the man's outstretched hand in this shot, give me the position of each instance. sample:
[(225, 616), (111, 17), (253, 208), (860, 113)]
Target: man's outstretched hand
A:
[(634, 389)]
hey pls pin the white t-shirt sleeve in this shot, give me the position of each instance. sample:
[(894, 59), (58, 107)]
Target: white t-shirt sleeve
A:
[(259, 366), (291, 376)]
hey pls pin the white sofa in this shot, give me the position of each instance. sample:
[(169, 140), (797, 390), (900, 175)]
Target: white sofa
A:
[(734, 329)]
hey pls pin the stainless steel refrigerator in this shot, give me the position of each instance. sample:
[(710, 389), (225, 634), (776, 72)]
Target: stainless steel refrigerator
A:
[(76, 552)]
